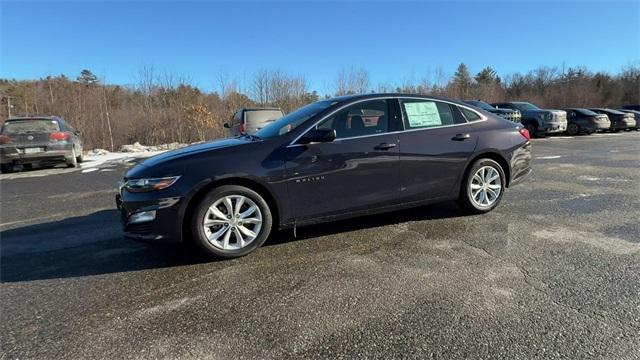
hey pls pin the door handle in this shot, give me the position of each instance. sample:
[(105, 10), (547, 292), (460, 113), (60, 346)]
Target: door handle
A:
[(460, 137), (385, 146)]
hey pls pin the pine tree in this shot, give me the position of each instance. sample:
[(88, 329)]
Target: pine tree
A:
[(87, 77), (462, 80), (486, 76)]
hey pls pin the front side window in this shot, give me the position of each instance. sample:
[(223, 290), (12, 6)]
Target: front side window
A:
[(361, 119), (417, 113), (292, 120)]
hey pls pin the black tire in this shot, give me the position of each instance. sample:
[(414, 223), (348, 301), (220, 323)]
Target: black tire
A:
[(573, 129), (79, 158), (465, 197), (6, 168), (72, 162), (532, 128), (198, 228)]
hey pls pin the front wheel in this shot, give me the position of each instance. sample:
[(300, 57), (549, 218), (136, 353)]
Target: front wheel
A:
[(532, 128), (482, 187), (231, 221)]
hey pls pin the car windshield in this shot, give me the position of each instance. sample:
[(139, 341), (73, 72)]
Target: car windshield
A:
[(524, 106), (30, 126), (291, 121), (480, 104)]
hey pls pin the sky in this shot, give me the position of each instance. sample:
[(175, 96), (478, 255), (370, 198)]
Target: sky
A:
[(394, 41)]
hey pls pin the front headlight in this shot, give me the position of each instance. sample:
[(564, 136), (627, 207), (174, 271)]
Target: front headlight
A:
[(150, 184)]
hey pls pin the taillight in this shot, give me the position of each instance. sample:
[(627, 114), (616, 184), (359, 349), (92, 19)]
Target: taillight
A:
[(525, 133), (59, 136), (4, 139), (242, 128)]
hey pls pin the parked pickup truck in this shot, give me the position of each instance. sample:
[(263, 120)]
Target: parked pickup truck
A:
[(509, 114), (538, 121)]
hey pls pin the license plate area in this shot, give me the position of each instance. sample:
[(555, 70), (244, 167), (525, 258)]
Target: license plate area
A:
[(33, 150)]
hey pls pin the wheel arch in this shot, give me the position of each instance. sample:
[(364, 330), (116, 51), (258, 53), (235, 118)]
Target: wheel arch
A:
[(493, 155), (205, 188)]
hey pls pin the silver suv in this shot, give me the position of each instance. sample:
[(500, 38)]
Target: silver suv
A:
[(250, 120)]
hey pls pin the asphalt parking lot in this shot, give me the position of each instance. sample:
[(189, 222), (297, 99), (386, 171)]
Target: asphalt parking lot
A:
[(553, 272)]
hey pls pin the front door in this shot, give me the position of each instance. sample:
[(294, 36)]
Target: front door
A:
[(357, 171)]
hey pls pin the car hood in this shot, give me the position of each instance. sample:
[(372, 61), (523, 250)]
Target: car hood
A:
[(194, 149)]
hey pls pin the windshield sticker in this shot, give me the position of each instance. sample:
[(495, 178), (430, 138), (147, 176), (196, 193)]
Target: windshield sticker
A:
[(422, 114)]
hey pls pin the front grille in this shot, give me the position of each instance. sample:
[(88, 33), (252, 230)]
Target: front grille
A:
[(559, 117), (512, 116)]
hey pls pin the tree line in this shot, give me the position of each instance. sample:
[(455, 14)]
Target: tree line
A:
[(163, 108)]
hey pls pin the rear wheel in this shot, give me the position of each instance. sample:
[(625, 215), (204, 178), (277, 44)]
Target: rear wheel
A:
[(73, 160), (482, 187), (573, 129), (231, 221)]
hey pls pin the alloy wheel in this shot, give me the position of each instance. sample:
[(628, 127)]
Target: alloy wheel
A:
[(232, 222), (485, 186)]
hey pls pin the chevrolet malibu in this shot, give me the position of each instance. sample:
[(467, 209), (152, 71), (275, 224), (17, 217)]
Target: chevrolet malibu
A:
[(337, 158)]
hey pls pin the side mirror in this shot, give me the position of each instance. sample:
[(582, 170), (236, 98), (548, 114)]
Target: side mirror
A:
[(227, 126), (318, 136)]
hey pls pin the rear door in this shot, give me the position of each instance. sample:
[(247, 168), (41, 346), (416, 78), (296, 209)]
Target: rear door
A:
[(357, 171), (434, 147)]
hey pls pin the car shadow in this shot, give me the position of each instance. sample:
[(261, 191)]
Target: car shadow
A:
[(94, 245), (429, 212)]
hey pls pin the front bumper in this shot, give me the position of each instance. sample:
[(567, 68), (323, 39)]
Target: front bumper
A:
[(163, 227), (552, 128)]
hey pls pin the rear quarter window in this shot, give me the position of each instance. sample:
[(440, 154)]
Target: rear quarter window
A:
[(470, 115)]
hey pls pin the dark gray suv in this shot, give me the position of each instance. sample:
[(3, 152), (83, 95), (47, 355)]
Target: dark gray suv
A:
[(42, 139)]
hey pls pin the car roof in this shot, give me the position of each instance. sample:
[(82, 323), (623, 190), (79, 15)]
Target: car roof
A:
[(262, 108), (33, 118), (606, 109), (349, 98)]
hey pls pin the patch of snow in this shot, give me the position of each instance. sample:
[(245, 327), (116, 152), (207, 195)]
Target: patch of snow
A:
[(549, 157)]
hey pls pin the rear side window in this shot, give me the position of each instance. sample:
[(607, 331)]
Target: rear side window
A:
[(470, 115), (419, 114), (30, 126)]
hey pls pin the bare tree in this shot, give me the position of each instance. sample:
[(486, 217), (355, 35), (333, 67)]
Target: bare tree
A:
[(351, 81)]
